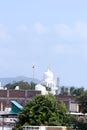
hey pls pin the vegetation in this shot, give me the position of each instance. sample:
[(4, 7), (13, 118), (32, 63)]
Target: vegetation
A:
[(64, 90), (71, 91), (42, 111), (64, 118), (21, 84), (82, 101), (81, 122)]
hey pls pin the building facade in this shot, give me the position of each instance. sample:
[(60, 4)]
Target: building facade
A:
[(69, 101), (21, 96)]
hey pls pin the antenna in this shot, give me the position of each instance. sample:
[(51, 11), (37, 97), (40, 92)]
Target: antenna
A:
[(58, 80), (33, 72)]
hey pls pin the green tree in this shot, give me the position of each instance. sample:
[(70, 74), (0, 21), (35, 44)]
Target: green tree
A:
[(71, 91), (64, 118), (81, 123), (64, 91), (21, 84), (39, 111), (78, 91), (82, 101)]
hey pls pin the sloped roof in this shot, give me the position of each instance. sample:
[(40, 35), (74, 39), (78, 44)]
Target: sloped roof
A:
[(16, 107), (17, 104)]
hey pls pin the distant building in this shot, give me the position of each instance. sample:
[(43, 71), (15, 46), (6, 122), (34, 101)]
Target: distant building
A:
[(41, 88), (48, 80), (69, 101), (1, 86), (21, 95)]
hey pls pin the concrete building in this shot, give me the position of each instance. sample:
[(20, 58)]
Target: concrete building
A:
[(21, 96)]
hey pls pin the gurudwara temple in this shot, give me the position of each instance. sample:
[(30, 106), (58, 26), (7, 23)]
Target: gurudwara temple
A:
[(11, 100), (48, 81)]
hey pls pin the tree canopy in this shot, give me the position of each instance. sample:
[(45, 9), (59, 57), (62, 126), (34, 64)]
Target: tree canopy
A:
[(41, 110), (71, 91), (21, 84), (82, 101), (64, 118), (81, 123)]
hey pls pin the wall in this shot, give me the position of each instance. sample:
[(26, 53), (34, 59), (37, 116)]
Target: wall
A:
[(56, 128), (44, 128), (68, 100), (21, 96)]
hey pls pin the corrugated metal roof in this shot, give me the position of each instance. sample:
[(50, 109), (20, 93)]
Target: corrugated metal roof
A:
[(17, 104)]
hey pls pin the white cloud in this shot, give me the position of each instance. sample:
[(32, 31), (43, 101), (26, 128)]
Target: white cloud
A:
[(37, 27), (80, 30), (4, 35), (66, 32), (40, 28), (7, 52), (83, 48), (63, 31), (22, 28), (59, 49), (77, 32), (73, 39), (74, 50)]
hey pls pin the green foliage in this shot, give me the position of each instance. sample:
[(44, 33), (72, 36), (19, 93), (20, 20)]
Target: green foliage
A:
[(82, 101), (41, 110), (64, 118), (76, 91), (64, 91), (80, 124), (73, 91), (21, 84)]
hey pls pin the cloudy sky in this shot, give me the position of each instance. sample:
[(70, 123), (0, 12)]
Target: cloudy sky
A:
[(44, 33)]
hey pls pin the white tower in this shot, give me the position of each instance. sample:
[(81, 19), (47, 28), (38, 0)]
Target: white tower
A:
[(48, 80)]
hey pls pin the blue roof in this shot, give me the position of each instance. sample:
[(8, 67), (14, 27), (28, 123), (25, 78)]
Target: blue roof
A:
[(17, 104)]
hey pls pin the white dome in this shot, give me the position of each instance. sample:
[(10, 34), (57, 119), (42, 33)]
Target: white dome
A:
[(48, 75)]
